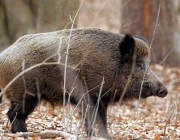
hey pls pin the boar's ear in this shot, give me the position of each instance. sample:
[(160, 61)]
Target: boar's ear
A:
[(127, 45)]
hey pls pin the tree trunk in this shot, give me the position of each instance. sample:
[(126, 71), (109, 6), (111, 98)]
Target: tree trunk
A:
[(20, 17), (4, 40), (139, 18), (56, 14), (16, 19)]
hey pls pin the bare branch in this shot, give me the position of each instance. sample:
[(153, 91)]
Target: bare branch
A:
[(43, 134), (168, 119)]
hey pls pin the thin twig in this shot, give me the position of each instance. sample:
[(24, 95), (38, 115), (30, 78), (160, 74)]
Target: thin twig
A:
[(157, 19), (97, 13), (129, 78), (66, 59), (24, 84), (168, 119), (167, 55), (97, 107), (29, 69)]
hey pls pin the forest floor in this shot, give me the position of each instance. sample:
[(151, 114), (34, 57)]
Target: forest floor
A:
[(152, 119)]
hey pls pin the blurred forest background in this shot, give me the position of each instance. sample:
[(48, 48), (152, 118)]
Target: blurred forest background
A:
[(155, 20)]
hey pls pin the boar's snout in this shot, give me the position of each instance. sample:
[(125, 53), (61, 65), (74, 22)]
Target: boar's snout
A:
[(153, 86), (162, 92), (152, 89)]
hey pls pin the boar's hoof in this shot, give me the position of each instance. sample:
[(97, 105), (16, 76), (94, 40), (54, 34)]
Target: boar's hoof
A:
[(18, 126)]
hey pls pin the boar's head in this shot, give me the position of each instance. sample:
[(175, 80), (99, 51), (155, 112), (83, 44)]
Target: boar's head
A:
[(135, 60)]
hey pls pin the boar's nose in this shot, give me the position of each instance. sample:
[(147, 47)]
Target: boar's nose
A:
[(162, 92)]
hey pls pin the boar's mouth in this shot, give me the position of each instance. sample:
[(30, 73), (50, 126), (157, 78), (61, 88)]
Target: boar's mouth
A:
[(149, 89), (160, 92), (146, 94)]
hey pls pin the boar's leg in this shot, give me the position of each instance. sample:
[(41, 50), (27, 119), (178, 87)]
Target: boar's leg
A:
[(18, 114), (99, 118)]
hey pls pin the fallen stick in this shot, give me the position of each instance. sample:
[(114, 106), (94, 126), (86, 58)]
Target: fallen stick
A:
[(43, 134)]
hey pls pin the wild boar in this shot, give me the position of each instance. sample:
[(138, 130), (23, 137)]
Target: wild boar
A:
[(91, 68)]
